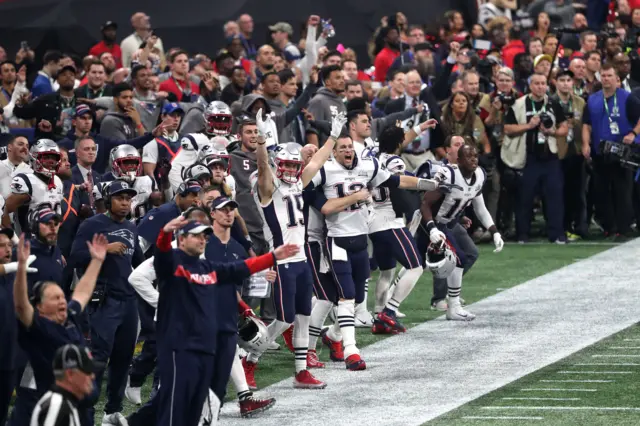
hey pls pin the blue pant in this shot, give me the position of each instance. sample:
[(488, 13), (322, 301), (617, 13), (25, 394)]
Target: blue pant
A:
[(548, 175), (185, 377), (145, 362), (26, 401), (225, 351), (292, 291), (7, 383), (395, 244), (114, 330), (323, 285), (350, 275)]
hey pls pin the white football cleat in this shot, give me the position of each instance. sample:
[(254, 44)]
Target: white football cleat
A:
[(457, 313), (400, 315), (133, 394), (273, 346), (114, 419), (440, 305), (363, 318)]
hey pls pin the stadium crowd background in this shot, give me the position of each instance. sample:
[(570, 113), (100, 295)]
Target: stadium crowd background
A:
[(484, 80)]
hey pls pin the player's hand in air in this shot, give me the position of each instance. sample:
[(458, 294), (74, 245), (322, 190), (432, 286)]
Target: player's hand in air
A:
[(264, 125), (337, 123)]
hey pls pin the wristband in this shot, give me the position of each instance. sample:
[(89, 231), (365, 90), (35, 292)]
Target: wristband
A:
[(140, 126), (417, 129), (430, 225), (634, 132)]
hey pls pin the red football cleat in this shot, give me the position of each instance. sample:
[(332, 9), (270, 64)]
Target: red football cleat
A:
[(313, 361), (355, 363), (336, 351), (380, 327), (251, 406), (391, 321), (288, 339), (249, 373), (305, 380)]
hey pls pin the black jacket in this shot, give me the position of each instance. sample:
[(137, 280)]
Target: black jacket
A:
[(46, 107)]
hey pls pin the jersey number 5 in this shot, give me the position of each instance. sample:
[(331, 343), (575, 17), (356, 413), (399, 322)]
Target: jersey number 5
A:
[(354, 187), (294, 208)]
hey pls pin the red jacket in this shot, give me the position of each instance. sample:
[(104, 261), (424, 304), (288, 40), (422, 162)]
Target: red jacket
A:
[(101, 47), (383, 62), (170, 86), (510, 51)]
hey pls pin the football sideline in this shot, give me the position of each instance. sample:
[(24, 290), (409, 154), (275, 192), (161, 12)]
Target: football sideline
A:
[(440, 365)]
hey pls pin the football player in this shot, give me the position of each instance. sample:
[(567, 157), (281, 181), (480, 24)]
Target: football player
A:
[(441, 210), (346, 244), (278, 194), (32, 189), (199, 172), (190, 146), (216, 157), (389, 235), (126, 164)]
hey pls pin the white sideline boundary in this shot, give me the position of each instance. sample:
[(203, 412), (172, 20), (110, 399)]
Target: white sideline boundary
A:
[(440, 365)]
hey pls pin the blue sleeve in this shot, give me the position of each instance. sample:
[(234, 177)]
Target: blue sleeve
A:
[(236, 234), (314, 198), (80, 256), (230, 271), (392, 182), (138, 255)]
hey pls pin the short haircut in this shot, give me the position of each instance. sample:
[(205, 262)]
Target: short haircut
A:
[(135, 70), (3, 63), (467, 73), (394, 73), (353, 115), (548, 36), (584, 35), (286, 75), (533, 40), (325, 72), (267, 74), (390, 139), (96, 62), (52, 56), (177, 53), (590, 53), (353, 83), (83, 138), (607, 66), (332, 53), (539, 75), (121, 87), (245, 122)]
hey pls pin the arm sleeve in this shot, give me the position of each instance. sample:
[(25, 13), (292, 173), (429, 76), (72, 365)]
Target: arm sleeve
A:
[(301, 102), (481, 212), (25, 112), (19, 89), (80, 256), (441, 86), (234, 271), (142, 278), (163, 256)]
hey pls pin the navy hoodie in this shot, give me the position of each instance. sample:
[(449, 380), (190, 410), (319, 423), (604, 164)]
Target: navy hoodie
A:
[(116, 269), (151, 224), (188, 286)]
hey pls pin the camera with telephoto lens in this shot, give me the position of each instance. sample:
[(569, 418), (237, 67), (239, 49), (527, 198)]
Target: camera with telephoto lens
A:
[(628, 156), (507, 99), (546, 120)]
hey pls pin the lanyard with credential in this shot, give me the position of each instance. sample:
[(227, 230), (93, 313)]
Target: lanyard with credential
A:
[(615, 106), (533, 107)]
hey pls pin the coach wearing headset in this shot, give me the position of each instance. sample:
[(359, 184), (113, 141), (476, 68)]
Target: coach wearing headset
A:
[(156, 219), (47, 321), (113, 311)]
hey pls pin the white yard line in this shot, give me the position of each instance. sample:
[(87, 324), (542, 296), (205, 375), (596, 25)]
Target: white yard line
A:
[(614, 356), (557, 390), (631, 340), (503, 418), (595, 372), (620, 348), (626, 364), (533, 398), (559, 408), (440, 365), (577, 381)]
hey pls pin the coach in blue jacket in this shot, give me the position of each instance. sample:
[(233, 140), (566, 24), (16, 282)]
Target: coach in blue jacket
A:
[(113, 310), (187, 316), (45, 224)]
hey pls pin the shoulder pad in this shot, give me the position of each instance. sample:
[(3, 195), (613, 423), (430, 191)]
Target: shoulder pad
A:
[(20, 184)]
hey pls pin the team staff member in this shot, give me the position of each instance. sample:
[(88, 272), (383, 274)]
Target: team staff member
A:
[(8, 328), (47, 321), (113, 312), (45, 224), (73, 369), (605, 119), (187, 314), (152, 223)]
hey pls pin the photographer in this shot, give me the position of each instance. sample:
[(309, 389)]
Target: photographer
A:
[(605, 119), (493, 109), (569, 153), (531, 127)]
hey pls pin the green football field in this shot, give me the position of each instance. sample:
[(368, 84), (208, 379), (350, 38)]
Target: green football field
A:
[(491, 274)]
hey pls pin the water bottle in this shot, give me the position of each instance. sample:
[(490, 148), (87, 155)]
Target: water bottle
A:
[(327, 28)]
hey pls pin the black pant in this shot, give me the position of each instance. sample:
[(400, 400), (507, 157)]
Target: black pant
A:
[(7, 383), (613, 191), (575, 194)]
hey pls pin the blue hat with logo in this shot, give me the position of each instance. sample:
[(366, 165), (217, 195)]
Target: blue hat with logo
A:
[(194, 227), (45, 215), (172, 107), (221, 202), (120, 187)]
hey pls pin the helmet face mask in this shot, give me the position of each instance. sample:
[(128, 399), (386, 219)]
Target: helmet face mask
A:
[(252, 335), (216, 152), (44, 157), (441, 259), (288, 162), (217, 119), (126, 163)]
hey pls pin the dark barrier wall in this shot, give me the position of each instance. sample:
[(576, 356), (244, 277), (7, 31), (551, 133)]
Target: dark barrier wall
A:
[(196, 25)]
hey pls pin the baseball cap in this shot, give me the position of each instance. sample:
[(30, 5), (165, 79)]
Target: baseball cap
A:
[(74, 357), (221, 202), (67, 68), (282, 27), (564, 72), (8, 232), (109, 24), (424, 46), (172, 107), (192, 185), (45, 215), (194, 227), (542, 57), (119, 187), (81, 110)]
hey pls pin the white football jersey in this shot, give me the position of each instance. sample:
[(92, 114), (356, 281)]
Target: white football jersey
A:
[(144, 185), (190, 146), (282, 218), (38, 190), (338, 181), (315, 224), (463, 191), (384, 217), (231, 183), (1, 205)]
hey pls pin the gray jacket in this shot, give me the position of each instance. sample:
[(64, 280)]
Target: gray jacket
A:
[(324, 106), (149, 110), (118, 126), (244, 164)]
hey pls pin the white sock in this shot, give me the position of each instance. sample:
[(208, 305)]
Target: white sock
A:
[(382, 286), (366, 293), (403, 288), (211, 409), (238, 378), (274, 330), (314, 300), (318, 315), (454, 284), (346, 313), (334, 332), (301, 341)]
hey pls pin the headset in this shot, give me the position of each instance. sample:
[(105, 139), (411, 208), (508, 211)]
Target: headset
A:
[(182, 189), (38, 291), (32, 218), (106, 192)]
